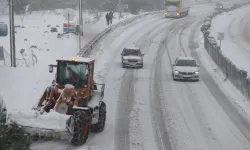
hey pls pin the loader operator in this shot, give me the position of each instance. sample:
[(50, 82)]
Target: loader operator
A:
[(73, 77)]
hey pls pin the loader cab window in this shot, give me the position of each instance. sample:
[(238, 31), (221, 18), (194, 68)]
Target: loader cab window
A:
[(72, 73)]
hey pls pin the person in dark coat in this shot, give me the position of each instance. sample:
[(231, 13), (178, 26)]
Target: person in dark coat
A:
[(111, 17), (107, 18)]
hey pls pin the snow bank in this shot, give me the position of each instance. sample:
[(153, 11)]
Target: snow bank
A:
[(233, 47), (234, 95)]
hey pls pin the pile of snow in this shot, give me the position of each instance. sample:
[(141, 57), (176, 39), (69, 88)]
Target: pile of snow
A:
[(234, 25), (22, 87)]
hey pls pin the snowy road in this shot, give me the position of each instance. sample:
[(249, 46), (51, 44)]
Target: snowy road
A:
[(146, 108)]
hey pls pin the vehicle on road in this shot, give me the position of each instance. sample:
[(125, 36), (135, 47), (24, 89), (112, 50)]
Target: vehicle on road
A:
[(218, 6), (75, 93), (176, 8), (185, 68), (132, 57)]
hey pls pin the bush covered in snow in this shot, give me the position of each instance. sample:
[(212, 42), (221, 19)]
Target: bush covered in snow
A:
[(13, 137)]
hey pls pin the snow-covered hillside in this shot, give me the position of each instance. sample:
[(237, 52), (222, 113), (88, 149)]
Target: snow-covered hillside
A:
[(236, 44)]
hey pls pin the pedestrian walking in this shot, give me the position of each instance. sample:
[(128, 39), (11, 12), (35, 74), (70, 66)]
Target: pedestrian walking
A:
[(107, 18), (111, 16)]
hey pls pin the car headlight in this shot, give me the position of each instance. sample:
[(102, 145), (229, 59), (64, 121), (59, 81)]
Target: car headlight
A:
[(196, 72), (176, 72)]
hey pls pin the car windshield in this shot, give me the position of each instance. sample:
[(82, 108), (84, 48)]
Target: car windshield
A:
[(131, 52), (72, 73), (183, 62)]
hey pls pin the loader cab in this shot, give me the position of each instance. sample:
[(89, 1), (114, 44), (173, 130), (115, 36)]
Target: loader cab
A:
[(77, 71)]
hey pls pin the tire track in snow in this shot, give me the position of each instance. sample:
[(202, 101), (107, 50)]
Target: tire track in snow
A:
[(125, 105), (156, 98), (175, 117), (142, 107), (132, 108)]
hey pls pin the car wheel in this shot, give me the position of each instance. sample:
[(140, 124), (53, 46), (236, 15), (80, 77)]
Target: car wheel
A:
[(174, 78)]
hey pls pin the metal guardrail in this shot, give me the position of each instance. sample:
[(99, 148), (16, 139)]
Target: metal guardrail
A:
[(89, 46), (237, 76)]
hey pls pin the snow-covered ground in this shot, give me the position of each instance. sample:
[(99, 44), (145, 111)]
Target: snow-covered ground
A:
[(146, 108), (21, 87), (236, 28)]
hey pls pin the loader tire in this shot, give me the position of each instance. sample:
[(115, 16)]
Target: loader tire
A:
[(81, 127), (100, 125)]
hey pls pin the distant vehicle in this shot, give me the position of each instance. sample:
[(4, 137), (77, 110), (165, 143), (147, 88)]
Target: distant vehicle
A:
[(53, 29), (219, 6), (3, 29), (176, 8), (185, 68), (132, 57)]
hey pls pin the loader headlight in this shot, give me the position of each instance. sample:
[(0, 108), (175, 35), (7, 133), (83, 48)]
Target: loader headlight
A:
[(178, 14)]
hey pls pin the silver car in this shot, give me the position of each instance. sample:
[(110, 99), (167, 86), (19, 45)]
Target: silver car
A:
[(132, 57), (218, 6), (185, 68)]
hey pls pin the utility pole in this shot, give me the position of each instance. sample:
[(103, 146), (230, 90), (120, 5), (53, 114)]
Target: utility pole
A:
[(80, 23), (118, 8), (68, 22), (12, 34)]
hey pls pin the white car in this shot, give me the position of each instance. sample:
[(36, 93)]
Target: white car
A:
[(185, 68), (132, 57)]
